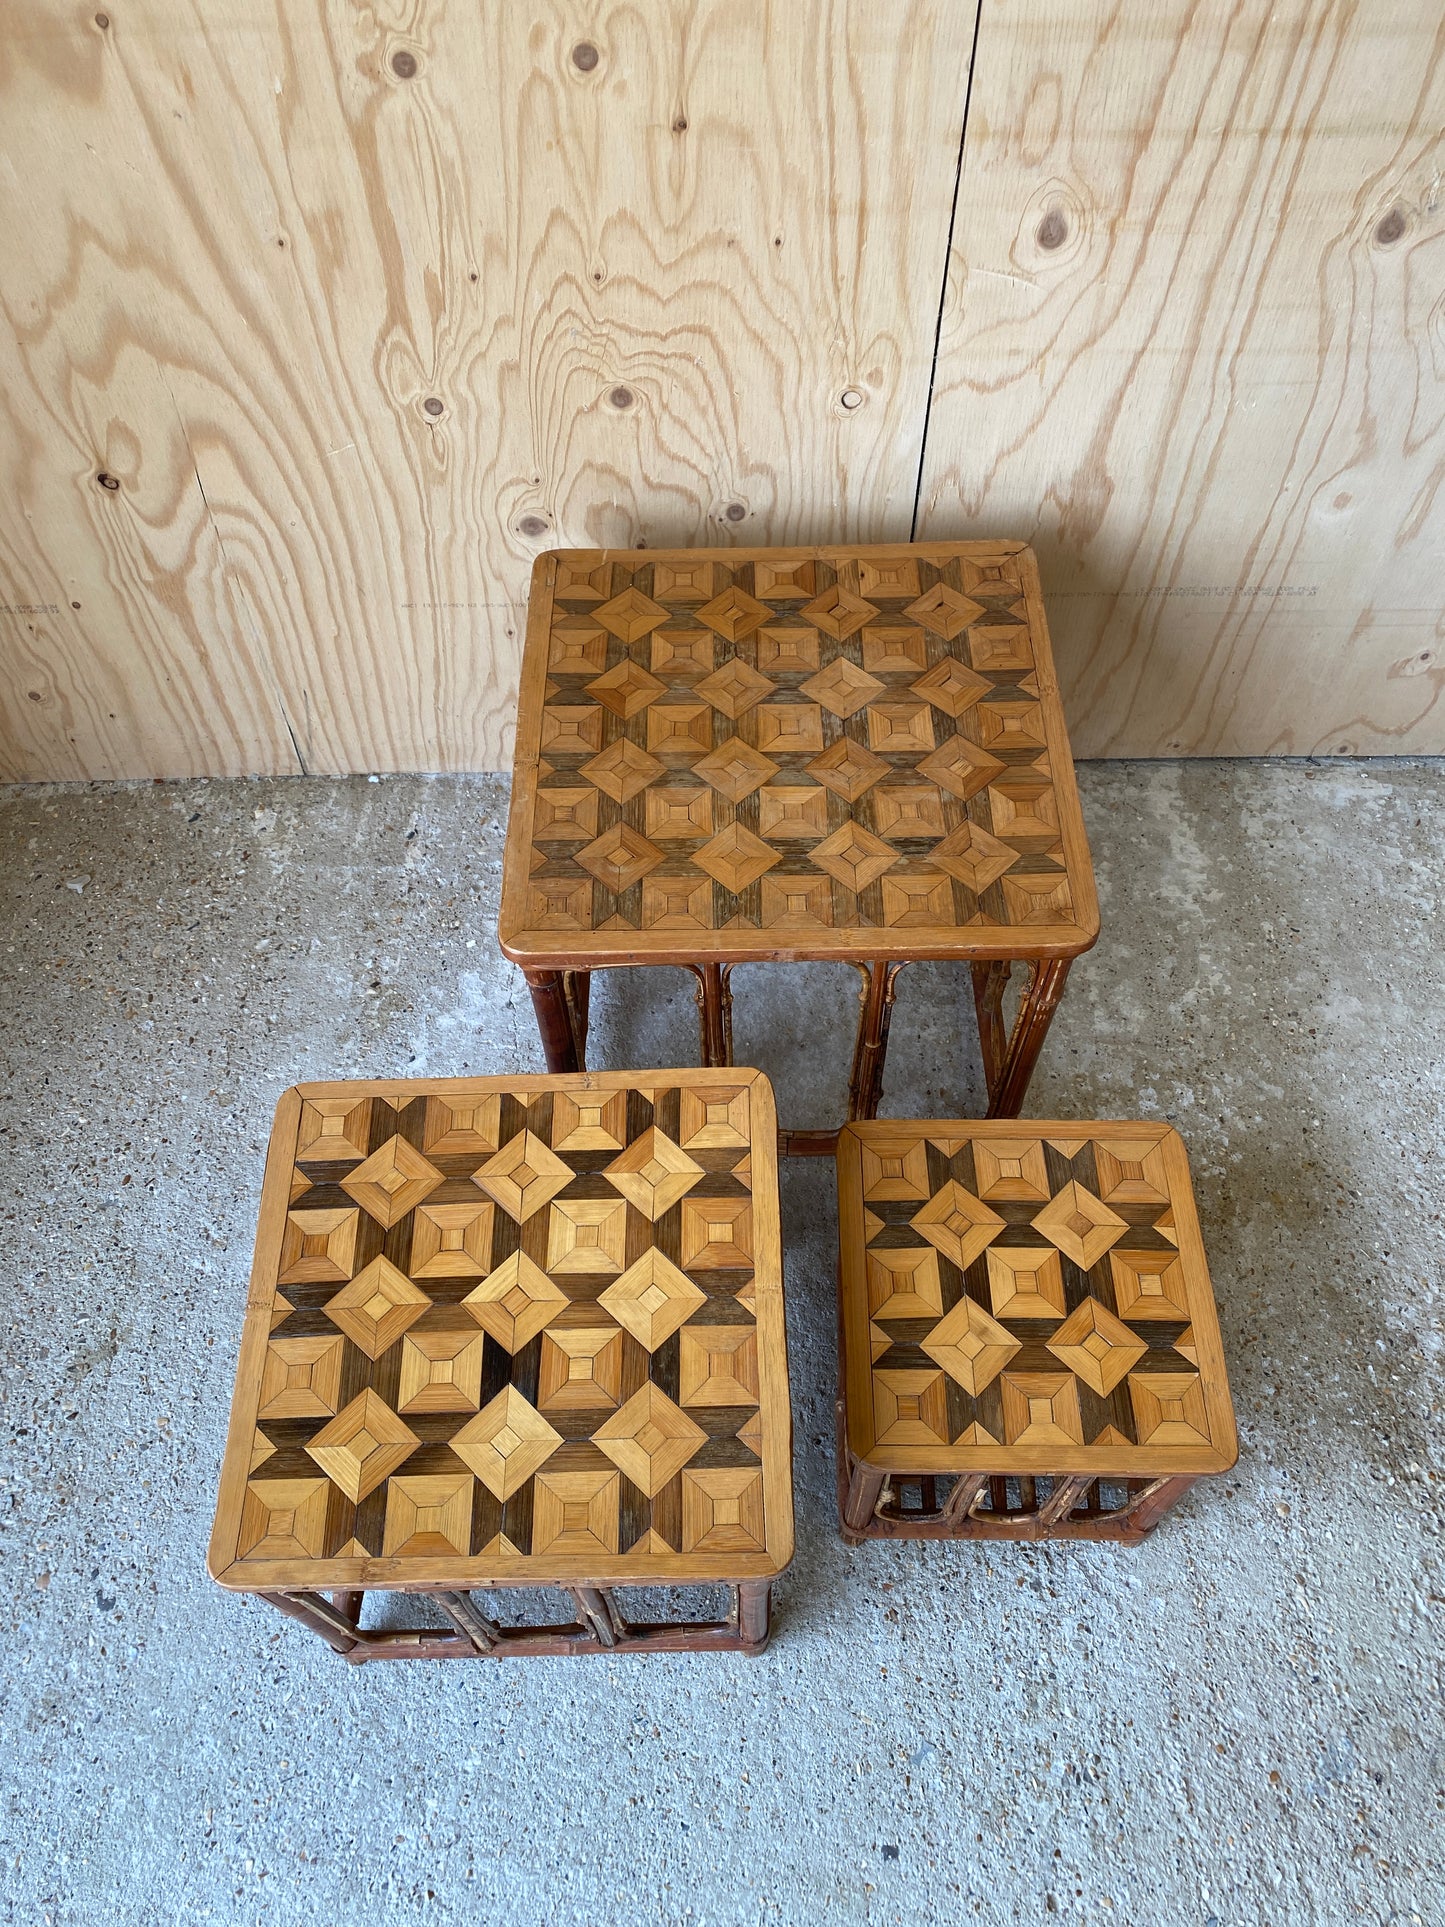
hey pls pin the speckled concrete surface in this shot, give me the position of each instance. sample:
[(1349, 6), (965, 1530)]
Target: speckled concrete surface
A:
[(1238, 1723)]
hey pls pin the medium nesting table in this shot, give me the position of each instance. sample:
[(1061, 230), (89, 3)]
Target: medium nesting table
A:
[(1029, 1342), (514, 1332), (851, 755)]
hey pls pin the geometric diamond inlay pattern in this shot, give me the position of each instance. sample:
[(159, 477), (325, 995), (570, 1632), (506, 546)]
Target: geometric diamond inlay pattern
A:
[(999, 1316), (833, 741), (527, 1319)]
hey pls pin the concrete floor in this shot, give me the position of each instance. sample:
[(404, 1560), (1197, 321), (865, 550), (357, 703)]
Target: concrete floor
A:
[(1238, 1723)]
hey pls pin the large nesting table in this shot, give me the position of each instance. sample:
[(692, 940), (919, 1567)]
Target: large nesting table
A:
[(848, 754)]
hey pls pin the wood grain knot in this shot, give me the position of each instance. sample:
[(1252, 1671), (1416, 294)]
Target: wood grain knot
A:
[(736, 512), (107, 481), (434, 406), (851, 398), (621, 397), (532, 525), (403, 64), (585, 56), (1053, 230), (102, 20), (679, 126), (1390, 228)]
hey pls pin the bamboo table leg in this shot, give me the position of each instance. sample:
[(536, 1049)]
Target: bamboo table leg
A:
[(714, 1012), (461, 1610), (865, 1488), (598, 1614), (316, 1611), (1008, 1064), (754, 1614), (577, 987), (554, 1010), (1147, 1508), (865, 1085)]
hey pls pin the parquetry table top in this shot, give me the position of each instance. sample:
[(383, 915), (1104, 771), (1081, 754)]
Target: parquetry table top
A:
[(760, 753), (1028, 1297), (513, 1330)]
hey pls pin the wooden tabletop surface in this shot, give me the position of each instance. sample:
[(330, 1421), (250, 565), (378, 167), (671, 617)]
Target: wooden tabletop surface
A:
[(757, 753), (1028, 1297), (513, 1330)]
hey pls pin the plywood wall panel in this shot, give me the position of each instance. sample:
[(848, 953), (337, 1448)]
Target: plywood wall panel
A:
[(361, 308), (1192, 348)]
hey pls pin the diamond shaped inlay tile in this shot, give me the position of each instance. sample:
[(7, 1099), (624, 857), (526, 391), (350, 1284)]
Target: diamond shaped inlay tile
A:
[(970, 1346), (626, 689), (621, 770), (653, 1173), (620, 857), (952, 686), (961, 767), (839, 613), (362, 1446), (735, 769), (848, 769), (377, 1306), (843, 687), (734, 688), (958, 1223), (1097, 1346), (506, 1443), (855, 856), (974, 857), (652, 1298), (515, 1301), (1080, 1225), (650, 1439), (736, 857), (392, 1181), (733, 614), (523, 1176), (631, 615), (944, 611)]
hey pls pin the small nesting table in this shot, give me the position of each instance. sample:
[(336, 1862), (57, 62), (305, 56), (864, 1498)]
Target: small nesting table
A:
[(842, 754), (1029, 1342), (514, 1332)]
